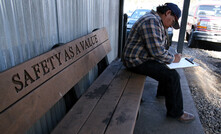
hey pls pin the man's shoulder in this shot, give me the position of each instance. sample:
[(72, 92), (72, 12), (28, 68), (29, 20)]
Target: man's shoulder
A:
[(146, 20), (150, 16)]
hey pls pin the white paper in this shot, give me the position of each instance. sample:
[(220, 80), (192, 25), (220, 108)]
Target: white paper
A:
[(182, 64)]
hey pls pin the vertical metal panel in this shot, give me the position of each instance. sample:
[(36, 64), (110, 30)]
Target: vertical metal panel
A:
[(28, 28), (113, 25), (76, 18)]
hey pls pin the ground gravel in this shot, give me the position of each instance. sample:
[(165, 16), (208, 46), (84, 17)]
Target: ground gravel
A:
[(205, 85)]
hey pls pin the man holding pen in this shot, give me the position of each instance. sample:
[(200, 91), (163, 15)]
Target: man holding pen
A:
[(145, 53)]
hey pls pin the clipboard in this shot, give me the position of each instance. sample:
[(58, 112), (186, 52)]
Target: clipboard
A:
[(184, 62)]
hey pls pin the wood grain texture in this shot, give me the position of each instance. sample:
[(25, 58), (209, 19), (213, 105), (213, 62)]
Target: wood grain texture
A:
[(81, 111), (124, 118), (101, 115), (110, 105)]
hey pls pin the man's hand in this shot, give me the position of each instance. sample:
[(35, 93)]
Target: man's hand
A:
[(177, 58)]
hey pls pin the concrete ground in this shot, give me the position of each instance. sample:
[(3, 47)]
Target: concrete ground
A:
[(152, 115)]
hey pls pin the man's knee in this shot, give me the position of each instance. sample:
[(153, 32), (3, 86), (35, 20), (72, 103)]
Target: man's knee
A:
[(174, 75)]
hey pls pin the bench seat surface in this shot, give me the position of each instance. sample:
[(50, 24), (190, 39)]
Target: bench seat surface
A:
[(109, 106)]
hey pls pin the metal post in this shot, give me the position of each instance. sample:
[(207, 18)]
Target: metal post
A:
[(183, 26), (124, 31), (120, 38)]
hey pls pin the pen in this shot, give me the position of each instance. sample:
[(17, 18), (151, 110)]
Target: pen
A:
[(190, 60)]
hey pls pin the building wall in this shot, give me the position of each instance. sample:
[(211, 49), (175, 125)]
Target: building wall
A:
[(29, 28)]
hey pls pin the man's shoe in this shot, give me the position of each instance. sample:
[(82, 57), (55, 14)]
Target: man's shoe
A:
[(186, 117)]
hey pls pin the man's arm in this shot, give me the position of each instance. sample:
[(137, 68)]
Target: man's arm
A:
[(152, 33)]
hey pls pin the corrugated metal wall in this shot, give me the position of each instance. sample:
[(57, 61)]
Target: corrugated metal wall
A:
[(29, 28), (91, 14)]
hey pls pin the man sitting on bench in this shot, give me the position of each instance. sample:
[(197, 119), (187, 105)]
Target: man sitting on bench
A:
[(145, 53)]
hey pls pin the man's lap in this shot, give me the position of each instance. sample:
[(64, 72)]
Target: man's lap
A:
[(155, 70)]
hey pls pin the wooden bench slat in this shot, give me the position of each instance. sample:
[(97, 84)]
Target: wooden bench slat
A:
[(77, 116), (24, 113), (101, 115), (124, 118)]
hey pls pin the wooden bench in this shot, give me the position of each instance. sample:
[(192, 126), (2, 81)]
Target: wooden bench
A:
[(110, 105)]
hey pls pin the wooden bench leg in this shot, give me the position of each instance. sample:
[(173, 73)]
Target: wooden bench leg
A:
[(102, 65)]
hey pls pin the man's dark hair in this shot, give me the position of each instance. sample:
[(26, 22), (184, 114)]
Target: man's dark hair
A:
[(163, 9)]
